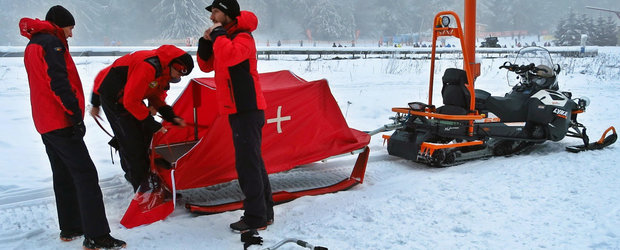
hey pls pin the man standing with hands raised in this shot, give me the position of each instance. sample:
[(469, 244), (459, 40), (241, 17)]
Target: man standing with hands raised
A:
[(229, 49)]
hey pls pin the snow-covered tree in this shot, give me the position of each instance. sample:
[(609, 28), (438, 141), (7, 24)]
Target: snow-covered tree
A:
[(609, 32), (328, 20), (181, 19), (568, 32)]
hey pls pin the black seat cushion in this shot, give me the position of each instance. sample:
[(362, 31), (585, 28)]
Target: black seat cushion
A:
[(454, 92)]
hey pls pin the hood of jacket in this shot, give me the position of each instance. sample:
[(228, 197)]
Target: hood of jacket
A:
[(246, 21), (29, 27), (167, 53)]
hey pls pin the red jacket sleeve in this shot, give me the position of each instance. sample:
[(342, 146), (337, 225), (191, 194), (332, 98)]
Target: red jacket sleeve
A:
[(158, 100), (135, 90), (205, 66), (233, 52)]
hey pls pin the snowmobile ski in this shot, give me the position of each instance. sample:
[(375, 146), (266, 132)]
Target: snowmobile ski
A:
[(600, 144)]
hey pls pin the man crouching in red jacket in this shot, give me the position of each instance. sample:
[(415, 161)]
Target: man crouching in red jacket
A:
[(121, 88), (57, 101)]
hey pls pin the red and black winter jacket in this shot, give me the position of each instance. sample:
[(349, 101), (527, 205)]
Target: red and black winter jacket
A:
[(56, 94), (135, 77), (233, 57)]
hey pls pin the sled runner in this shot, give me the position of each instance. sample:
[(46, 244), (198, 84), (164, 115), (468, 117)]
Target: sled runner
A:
[(472, 124), (303, 125)]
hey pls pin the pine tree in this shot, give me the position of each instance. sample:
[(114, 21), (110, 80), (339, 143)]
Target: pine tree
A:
[(597, 32), (326, 22), (568, 32), (181, 19), (610, 35)]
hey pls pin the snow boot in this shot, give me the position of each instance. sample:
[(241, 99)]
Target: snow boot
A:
[(103, 242), (242, 227), (70, 235)]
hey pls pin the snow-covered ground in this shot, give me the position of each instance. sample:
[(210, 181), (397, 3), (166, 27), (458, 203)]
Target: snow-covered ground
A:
[(548, 198)]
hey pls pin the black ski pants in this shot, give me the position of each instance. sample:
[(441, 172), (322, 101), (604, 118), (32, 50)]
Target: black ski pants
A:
[(133, 141), (79, 201), (253, 180)]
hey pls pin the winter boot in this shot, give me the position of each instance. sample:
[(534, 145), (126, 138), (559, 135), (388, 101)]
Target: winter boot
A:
[(103, 242), (241, 226), (70, 235)]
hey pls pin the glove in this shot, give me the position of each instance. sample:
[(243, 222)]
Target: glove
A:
[(149, 124), (168, 114), (219, 31), (79, 130)]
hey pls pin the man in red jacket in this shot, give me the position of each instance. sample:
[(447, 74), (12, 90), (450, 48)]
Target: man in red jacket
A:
[(229, 48), (121, 88), (57, 101)]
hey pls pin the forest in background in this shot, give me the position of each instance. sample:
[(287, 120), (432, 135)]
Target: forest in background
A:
[(140, 22)]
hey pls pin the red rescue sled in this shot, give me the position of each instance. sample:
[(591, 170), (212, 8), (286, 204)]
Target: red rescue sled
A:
[(303, 125)]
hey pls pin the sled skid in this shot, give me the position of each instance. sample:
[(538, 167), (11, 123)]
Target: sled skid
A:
[(357, 177)]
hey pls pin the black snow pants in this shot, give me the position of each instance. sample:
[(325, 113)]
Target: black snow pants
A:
[(253, 180), (76, 184), (133, 141)]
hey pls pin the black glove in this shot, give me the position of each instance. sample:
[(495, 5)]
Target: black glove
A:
[(79, 130), (95, 100), (219, 31), (149, 124), (168, 114)]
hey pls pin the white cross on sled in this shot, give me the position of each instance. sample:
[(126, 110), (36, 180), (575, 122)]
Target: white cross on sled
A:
[(279, 119)]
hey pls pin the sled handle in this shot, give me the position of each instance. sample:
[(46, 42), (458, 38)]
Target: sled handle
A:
[(600, 141)]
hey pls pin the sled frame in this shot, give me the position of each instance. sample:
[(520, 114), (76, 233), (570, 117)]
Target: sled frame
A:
[(356, 177)]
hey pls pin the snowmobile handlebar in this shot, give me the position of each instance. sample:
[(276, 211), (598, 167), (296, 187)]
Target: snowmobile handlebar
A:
[(522, 69)]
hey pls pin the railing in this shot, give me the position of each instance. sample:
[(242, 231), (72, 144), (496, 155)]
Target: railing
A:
[(269, 53)]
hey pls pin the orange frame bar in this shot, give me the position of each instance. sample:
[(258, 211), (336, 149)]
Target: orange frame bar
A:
[(600, 141), (439, 116), (468, 48), (429, 148)]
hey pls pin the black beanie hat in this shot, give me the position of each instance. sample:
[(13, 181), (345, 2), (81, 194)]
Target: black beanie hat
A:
[(185, 62), (229, 7), (60, 16)]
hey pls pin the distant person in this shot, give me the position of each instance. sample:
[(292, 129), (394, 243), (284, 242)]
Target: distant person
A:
[(279, 43), (57, 101), (229, 49), (334, 45), (121, 89)]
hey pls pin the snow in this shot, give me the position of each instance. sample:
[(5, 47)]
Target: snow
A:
[(548, 198)]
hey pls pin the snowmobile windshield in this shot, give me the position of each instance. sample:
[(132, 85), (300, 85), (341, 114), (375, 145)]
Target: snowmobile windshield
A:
[(538, 56)]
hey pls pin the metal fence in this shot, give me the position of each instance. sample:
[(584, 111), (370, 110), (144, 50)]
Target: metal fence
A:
[(310, 53)]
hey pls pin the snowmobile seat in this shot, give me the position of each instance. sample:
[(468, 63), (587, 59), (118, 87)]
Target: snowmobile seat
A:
[(481, 99), (455, 94)]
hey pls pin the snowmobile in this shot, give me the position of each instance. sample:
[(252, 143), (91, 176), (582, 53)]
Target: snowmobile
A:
[(473, 124)]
